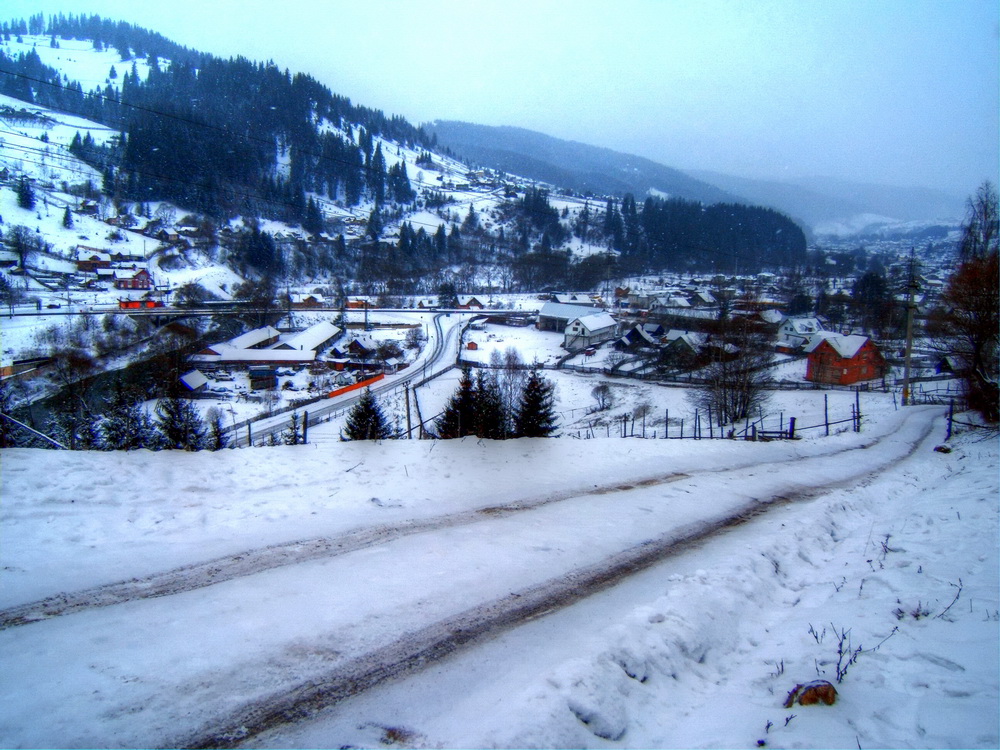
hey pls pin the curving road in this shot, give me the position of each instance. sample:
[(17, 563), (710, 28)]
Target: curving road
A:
[(437, 355)]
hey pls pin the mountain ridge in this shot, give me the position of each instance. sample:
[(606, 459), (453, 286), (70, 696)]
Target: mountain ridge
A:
[(550, 159), (813, 202)]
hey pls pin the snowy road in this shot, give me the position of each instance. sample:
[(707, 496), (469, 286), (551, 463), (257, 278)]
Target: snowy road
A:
[(217, 651), (252, 561), (437, 355)]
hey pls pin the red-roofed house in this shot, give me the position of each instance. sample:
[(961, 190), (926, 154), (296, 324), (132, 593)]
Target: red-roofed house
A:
[(843, 360)]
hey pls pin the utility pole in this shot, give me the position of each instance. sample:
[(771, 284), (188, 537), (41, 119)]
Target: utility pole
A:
[(911, 285), (409, 428)]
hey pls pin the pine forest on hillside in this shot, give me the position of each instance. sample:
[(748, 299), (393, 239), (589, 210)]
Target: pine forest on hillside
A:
[(229, 138)]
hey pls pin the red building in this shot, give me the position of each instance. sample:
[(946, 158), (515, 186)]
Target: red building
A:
[(141, 280), (843, 360)]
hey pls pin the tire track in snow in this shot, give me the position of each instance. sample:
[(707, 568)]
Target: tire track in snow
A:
[(423, 647), (249, 562)]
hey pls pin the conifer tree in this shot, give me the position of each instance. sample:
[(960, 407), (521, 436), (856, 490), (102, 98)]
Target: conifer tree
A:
[(536, 414), (366, 421), (125, 425), (491, 421), (6, 434), (216, 439), (25, 193), (459, 416), (377, 176), (67, 221), (374, 226), (180, 424), (293, 433)]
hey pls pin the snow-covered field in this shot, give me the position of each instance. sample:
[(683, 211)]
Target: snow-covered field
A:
[(515, 594)]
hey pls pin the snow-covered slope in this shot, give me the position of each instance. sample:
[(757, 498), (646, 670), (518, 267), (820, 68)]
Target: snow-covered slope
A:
[(290, 579)]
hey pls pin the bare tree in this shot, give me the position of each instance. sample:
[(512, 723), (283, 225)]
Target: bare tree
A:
[(981, 230), (511, 377), (737, 378), (23, 243), (972, 306), (603, 396)]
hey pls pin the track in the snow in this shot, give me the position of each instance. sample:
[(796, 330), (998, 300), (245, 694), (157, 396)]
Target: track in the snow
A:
[(423, 647), (250, 562)]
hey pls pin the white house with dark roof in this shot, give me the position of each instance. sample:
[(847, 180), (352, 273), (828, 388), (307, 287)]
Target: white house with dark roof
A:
[(794, 333), (589, 330)]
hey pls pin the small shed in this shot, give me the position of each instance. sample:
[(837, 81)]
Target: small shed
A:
[(195, 381)]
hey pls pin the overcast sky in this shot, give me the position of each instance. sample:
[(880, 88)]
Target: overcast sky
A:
[(900, 92)]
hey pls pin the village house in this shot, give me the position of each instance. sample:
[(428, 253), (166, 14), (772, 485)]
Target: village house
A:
[(584, 300), (683, 348), (139, 280), (89, 259), (468, 302), (555, 316), (637, 337), (703, 298), (359, 303), (165, 235), (843, 360), (589, 330), (303, 301), (795, 333), (362, 346)]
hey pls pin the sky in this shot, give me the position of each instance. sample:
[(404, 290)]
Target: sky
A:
[(901, 92)]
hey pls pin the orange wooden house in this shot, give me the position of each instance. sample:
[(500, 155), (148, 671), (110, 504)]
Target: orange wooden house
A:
[(843, 360)]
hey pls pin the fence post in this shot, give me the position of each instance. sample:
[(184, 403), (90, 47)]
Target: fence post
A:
[(951, 417), (710, 427), (754, 438), (249, 436), (666, 424), (305, 427), (857, 408), (826, 411), (791, 428)]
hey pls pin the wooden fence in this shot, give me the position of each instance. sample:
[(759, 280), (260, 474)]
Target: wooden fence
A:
[(704, 426)]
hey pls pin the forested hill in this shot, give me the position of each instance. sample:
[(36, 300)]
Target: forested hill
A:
[(207, 133), (228, 139), (570, 165)]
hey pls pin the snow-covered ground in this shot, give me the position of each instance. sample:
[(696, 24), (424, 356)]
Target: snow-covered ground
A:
[(523, 593)]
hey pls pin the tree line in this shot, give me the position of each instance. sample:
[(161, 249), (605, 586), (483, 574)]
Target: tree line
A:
[(506, 400)]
